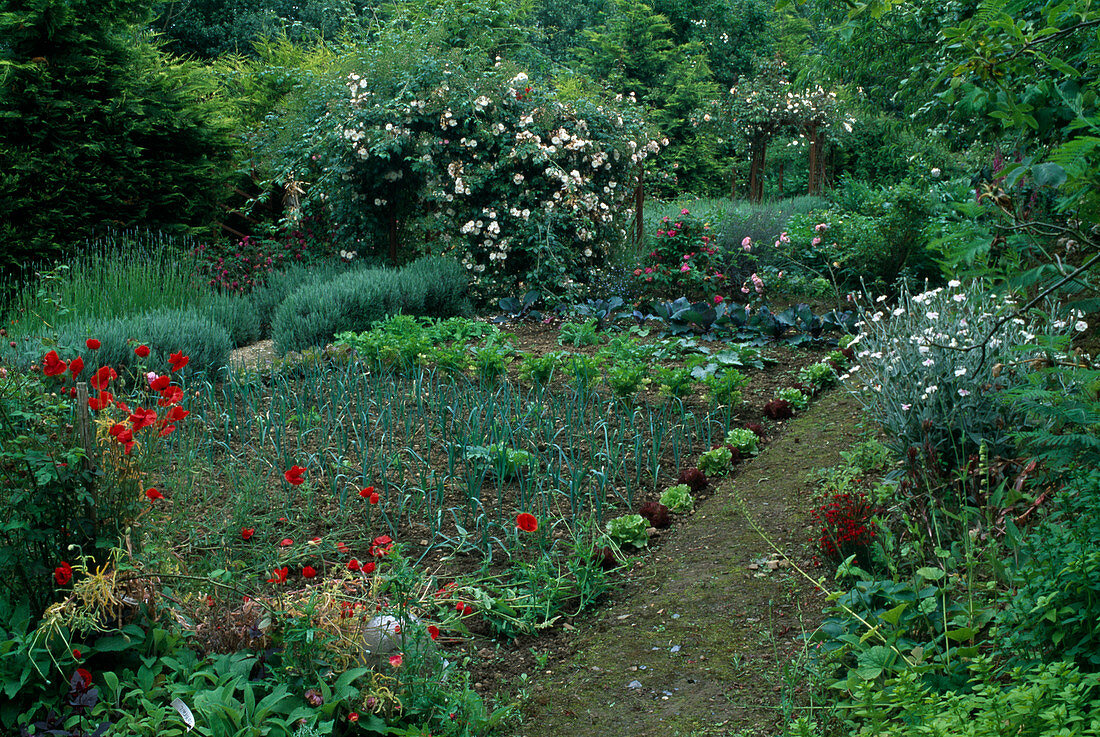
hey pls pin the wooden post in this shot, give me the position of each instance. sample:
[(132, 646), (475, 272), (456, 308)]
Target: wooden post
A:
[(639, 205), (84, 425)]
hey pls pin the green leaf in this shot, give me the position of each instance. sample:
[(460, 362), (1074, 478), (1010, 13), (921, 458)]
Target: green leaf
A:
[(930, 574), (891, 617), (875, 661), (1049, 175), (962, 634)]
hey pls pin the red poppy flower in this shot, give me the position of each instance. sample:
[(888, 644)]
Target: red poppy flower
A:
[(294, 475), (396, 660), (166, 431), (383, 543), (308, 572), (178, 360), (63, 573), (433, 632), (172, 395), (125, 436), (143, 418), (527, 522), (76, 366), (76, 653), (177, 413), (463, 609), (93, 344), (52, 365), (342, 547), (286, 542), (353, 717), (142, 351), (160, 383), (353, 564), (279, 575), (98, 403), (369, 567), (152, 495), (102, 377), (247, 533)]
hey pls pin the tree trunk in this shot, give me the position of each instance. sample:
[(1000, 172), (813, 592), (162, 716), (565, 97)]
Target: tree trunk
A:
[(759, 151), (393, 235), (815, 162)]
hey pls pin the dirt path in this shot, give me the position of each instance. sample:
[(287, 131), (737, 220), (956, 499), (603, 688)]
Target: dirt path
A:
[(697, 641)]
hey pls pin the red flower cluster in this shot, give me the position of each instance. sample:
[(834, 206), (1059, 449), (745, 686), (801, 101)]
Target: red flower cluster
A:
[(293, 475), (369, 494), (845, 527)]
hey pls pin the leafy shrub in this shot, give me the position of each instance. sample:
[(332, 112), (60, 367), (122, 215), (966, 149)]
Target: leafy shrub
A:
[(193, 331), (628, 530), (472, 158), (1038, 701), (1053, 610), (238, 316), (278, 285), (683, 259), (678, 498), (938, 405), (313, 315)]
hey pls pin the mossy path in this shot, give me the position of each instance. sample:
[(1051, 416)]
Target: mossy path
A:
[(700, 637)]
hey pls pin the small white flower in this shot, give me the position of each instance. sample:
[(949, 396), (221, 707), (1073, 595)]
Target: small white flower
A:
[(954, 283), (1081, 326), (932, 389), (928, 362), (964, 393), (906, 407)]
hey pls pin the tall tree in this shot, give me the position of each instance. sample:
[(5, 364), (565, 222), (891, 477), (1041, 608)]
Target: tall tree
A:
[(101, 129)]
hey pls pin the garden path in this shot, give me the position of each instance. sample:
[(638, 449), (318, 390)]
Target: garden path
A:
[(701, 637)]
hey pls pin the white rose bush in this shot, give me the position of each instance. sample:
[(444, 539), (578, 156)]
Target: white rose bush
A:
[(446, 155)]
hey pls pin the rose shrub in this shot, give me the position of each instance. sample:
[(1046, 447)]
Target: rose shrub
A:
[(452, 154)]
